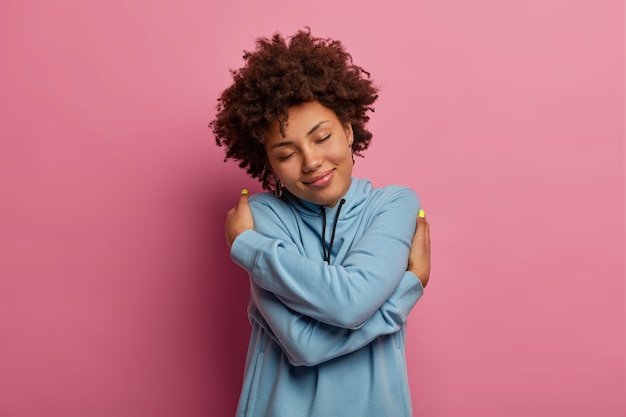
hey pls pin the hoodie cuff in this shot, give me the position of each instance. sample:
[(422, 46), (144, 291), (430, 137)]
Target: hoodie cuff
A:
[(245, 248), (406, 295)]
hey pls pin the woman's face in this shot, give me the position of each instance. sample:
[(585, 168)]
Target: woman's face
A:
[(314, 159)]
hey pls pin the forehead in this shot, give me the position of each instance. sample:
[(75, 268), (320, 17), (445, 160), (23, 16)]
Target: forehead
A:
[(301, 118)]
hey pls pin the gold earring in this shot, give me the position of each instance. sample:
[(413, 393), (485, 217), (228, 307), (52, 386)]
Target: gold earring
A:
[(278, 187)]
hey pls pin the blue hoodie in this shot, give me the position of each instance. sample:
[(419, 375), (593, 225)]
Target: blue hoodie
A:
[(328, 316)]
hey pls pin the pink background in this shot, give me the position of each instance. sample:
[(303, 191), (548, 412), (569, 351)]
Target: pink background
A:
[(117, 295)]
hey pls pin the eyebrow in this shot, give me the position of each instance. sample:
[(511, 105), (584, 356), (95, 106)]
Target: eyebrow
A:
[(309, 133), (317, 126)]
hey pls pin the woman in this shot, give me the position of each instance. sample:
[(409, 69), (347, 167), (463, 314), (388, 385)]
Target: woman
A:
[(335, 265)]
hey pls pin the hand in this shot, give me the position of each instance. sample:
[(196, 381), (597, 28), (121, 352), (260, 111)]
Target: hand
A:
[(238, 219), (419, 255)]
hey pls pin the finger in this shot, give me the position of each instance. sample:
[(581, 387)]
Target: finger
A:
[(421, 221), (243, 197), (422, 229), (420, 235), (421, 217)]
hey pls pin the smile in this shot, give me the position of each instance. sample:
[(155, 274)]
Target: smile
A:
[(320, 181)]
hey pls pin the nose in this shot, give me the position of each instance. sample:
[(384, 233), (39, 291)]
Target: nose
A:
[(311, 160)]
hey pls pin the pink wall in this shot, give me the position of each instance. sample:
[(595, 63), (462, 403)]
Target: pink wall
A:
[(117, 296)]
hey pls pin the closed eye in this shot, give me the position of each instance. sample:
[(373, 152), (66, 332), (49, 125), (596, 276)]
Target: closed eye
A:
[(285, 157), (323, 139)]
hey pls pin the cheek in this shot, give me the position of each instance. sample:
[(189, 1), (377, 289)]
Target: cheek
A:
[(287, 171), (340, 154)]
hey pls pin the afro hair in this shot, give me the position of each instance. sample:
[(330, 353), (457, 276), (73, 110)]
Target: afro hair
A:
[(278, 75)]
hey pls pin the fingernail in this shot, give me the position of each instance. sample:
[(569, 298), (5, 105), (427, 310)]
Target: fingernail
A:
[(421, 214), (244, 192)]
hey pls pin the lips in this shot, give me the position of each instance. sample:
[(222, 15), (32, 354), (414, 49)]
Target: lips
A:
[(321, 180)]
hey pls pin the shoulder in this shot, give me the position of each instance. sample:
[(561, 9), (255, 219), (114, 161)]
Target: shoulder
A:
[(267, 199), (266, 203), (396, 195), (264, 199), (392, 211), (273, 217)]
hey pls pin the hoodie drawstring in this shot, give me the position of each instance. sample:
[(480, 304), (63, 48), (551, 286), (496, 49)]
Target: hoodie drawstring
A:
[(332, 237)]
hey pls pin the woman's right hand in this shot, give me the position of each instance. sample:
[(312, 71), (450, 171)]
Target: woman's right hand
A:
[(419, 255), (238, 219)]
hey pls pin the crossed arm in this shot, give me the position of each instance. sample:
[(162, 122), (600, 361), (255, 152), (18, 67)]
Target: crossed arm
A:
[(344, 307)]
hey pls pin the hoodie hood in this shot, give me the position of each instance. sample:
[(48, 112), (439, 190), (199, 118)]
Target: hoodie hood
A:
[(348, 207), (303, 222), (354, 198)]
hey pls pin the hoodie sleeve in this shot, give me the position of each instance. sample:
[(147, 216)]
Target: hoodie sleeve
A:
[(346, 294), (308, 342)]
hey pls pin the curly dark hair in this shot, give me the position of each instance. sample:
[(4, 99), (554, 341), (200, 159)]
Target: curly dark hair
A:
[(280, 74)]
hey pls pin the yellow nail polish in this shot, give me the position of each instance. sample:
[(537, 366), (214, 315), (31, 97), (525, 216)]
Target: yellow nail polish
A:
[(421, 214), (244, 192)]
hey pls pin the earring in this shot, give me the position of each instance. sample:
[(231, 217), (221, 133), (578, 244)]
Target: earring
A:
[(278, 187)]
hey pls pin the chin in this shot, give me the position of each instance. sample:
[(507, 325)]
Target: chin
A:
[(327, 201)]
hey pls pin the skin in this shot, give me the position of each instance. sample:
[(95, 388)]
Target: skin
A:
[(314, 158), (314, 162)]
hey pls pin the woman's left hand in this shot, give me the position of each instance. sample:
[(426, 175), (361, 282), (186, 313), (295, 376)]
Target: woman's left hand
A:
[(419, 255), (238, 219)]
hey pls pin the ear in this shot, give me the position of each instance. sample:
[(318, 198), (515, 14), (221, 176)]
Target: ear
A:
[(349, 134)]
